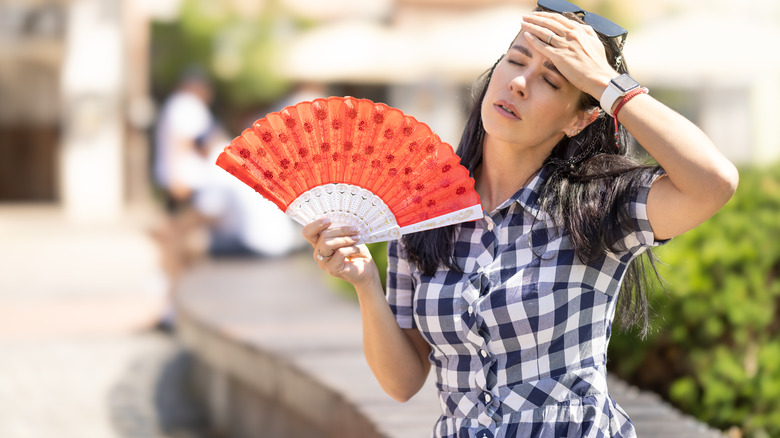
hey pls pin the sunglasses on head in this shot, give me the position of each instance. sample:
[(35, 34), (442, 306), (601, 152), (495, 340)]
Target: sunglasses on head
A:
[(597, 22)]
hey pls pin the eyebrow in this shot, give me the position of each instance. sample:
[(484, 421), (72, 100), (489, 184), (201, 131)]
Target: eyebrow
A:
[(547, 64)]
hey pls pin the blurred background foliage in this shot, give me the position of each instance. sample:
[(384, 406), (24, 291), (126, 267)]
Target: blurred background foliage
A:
[(714, 350), (234, 48), (715, 347)]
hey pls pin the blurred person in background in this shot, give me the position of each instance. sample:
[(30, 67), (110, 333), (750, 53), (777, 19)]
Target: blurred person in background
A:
[(210, 213), (184, 124), (515, 311), (185, 118), (239, 221)]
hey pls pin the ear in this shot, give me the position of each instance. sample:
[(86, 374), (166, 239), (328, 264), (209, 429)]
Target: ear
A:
[(583, 119)]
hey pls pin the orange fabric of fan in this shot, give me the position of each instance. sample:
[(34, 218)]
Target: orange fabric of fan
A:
[(356, 162)]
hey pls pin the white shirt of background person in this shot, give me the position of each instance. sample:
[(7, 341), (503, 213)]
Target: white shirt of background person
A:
[(237, 210), (183, 118)]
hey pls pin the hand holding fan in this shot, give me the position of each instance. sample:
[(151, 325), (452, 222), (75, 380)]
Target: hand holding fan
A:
[(356, 162)]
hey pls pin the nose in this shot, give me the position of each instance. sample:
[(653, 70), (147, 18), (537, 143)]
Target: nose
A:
[(519, 85)]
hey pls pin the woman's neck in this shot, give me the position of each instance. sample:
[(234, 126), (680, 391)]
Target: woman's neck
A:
[(504, 171)]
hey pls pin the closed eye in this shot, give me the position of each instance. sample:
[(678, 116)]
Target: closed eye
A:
[(520, 64), (549, 65)]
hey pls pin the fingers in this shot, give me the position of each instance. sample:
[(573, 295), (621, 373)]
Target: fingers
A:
[(574, 48), (342, 262), (311, 231), (316, 229), (339, 255), (547, 22), (332, 240), (331, 243), (551, 28), (541, 29)]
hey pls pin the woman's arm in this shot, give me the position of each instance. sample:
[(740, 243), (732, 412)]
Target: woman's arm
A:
[(699, 180), (398, 357)]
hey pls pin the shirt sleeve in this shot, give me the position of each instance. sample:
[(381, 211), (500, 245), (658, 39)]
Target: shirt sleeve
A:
[(400, 286), (639, 234)]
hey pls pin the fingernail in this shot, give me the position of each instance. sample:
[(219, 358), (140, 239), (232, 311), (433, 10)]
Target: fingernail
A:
[(325, 221), (353, 230)]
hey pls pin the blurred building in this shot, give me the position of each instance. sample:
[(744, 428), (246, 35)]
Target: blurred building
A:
[(31, 54), (75, 104), (74, 111), (423, 54), (714, 67)]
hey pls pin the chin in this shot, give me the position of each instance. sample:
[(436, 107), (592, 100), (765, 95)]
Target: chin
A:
[(495, 131)]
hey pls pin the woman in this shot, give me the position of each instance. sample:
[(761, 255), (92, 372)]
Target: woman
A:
[(515, 311)]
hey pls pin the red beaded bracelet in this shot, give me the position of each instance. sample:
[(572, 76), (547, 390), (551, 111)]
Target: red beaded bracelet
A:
[(630, 95)]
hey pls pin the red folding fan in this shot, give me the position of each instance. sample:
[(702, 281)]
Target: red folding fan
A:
[(356, 162)]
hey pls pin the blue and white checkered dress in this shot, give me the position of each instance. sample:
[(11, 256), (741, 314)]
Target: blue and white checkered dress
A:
[(519, 342)]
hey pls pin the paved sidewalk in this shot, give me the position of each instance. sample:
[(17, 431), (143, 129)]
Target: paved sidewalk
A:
[(67, 279), (119, 386), (77, 356)]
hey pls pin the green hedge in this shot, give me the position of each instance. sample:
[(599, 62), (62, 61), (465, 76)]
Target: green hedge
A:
[(715, 349)]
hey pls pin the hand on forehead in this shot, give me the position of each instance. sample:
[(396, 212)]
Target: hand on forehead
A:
[(543, 25)]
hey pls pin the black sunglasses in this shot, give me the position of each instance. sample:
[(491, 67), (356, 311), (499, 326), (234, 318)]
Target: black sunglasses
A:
[(597, 22)]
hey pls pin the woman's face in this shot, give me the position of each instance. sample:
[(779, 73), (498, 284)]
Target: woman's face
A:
[(528, 103)]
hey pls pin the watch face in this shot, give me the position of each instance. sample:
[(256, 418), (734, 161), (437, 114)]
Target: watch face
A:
[(625, 83)]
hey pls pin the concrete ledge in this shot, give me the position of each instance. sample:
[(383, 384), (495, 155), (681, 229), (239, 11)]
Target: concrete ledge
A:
[(280, 356)]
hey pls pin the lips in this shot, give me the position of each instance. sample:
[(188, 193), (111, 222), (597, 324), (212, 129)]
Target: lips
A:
[(507, 109)]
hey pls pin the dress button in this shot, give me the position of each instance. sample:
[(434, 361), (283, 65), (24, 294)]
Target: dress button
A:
[(488, 398), (471, 310), (490, 226), (484, 353)]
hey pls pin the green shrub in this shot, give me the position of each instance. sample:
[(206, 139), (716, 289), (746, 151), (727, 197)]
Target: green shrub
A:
[(715, 348)]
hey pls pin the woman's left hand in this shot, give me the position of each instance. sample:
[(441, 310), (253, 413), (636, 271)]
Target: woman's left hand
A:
[(574, 49), (699, 179)]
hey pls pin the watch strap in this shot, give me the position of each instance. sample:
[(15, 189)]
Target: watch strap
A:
[(617, 87), (609, 97)]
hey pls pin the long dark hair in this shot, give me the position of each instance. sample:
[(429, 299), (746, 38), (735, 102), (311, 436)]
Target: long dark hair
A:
[(589, 182)]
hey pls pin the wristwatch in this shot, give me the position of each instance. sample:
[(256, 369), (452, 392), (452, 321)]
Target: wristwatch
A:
[(617, 88)]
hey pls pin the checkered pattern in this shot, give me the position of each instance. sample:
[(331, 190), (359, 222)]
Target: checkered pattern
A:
[(520, 340)]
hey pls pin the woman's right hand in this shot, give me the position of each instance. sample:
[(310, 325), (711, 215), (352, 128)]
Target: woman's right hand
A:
[(337, 253), (398, 358)]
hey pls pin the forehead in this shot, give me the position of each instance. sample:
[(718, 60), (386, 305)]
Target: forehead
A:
[(520, 42), (517, 38), (520, 45)]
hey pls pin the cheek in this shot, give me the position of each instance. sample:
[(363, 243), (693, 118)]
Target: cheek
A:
[(558, 112), (487, 102), (483, 105)]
